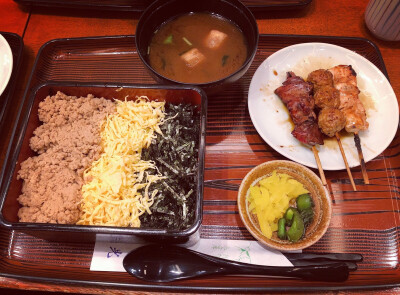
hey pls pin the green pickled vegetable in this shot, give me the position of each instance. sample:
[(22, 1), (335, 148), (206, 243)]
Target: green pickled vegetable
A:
[(307, 215), (304, 202), (289, 215), (296, 230), (282, 229)]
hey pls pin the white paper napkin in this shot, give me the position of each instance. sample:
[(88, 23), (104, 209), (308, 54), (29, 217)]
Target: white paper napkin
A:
[(110, 251)]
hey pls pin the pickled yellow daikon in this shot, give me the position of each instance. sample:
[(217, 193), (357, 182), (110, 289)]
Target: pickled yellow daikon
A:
[(270, 197)]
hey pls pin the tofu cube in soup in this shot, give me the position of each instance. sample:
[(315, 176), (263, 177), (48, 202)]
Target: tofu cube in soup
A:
[(193, 57), (215, 38)]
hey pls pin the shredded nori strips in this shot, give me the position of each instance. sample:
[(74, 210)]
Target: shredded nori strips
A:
[(176, 156)]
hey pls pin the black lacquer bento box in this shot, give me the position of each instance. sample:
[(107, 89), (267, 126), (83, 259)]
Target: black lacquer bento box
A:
[(19, 150)]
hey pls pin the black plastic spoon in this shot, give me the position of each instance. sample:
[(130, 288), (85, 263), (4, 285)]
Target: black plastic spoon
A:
[(165, 263)]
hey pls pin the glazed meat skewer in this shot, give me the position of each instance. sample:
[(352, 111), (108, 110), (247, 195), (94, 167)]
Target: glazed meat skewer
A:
[(330, 119), (345, 80), (296, 94)]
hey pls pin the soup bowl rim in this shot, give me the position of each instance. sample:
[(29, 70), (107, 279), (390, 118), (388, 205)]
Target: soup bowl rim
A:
[(244, 67)]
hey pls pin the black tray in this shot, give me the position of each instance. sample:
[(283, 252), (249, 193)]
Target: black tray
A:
[(366, 221), (17, 46), (140, 5)]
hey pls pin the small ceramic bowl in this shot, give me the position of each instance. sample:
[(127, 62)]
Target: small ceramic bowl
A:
[(320, 195)]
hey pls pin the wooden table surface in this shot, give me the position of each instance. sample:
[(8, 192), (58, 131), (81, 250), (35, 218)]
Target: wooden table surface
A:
[(39, 25)]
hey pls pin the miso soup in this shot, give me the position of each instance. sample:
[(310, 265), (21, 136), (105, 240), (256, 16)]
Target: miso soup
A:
[(197, 48)]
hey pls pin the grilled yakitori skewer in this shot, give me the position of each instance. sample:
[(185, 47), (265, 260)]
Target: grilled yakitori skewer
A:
[(295, 93), (345, 80), (330, 118)]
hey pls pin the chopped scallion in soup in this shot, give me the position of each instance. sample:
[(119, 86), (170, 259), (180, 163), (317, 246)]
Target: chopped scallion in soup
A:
[(197, 48)]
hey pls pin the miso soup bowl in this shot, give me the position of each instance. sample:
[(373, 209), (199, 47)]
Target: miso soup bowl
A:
[(161, 11), (320, 195)]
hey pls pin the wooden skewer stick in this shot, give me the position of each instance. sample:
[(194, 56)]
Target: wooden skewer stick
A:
[(321, 171), (345, 161), (361, 157)]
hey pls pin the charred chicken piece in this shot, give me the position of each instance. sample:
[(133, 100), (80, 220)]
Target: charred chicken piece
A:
[(296, 94), (320, 78), (327, 97), (345, 80), (308, 133), (331, 120)]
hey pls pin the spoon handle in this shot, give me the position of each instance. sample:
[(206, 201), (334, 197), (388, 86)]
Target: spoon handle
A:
[(337, 272), (332, 272), (325, 256), (352, 266)]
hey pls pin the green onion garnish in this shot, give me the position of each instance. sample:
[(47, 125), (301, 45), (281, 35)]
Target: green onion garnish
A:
[(168, 40), (224, 59), (187, 41)]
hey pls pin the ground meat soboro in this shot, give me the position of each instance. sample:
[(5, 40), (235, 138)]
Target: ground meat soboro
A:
[(67, 143)]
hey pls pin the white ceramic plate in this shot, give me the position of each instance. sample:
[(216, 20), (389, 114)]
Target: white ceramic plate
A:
[(6, 63), (272, 121)]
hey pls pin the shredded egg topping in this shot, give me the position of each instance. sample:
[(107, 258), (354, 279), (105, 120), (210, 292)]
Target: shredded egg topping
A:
[(116, 189)]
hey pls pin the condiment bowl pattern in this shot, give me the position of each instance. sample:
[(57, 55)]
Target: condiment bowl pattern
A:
[(320, 197)]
